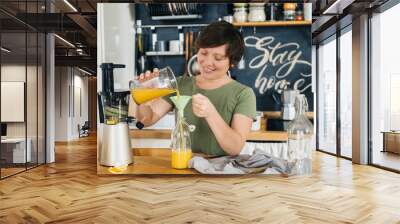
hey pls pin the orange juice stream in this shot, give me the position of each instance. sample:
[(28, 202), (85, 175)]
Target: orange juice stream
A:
[(146, 94)]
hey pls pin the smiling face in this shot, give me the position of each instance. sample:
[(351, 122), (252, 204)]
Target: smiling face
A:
[(213, 62)]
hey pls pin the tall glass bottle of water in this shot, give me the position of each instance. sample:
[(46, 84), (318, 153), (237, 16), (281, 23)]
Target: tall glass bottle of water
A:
[(300, 137)]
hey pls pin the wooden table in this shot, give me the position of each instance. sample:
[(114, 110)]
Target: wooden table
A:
[(149, 161), (158, 160)]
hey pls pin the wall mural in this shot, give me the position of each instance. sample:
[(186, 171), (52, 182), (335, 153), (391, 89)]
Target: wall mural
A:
[(276, 58)]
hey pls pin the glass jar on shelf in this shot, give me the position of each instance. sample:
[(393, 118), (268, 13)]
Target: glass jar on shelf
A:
[(271, 9), (240, 14), (289, 11), (257, 12), (299, 12), (300, 138)]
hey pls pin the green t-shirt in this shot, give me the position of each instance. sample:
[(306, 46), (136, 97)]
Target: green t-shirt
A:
[(229, 99)]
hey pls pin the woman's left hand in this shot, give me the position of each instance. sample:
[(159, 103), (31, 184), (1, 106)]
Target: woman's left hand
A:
[(202, 106)]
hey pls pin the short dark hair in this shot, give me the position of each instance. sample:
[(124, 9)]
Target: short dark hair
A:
[(220, 33)]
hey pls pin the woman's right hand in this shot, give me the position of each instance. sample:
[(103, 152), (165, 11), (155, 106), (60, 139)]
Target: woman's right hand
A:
[(143, 77)]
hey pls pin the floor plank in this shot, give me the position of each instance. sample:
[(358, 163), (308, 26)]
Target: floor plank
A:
[(70, 191), (387, 159)]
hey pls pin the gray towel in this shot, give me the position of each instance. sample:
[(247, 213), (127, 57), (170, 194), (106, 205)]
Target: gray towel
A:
[(259, 162)]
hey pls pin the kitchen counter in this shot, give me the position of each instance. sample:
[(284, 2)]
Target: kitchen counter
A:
[(149, 161), (253, 136), (157, 160), (278, 115)]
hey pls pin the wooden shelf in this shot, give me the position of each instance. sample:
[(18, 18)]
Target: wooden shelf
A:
[(275, 23)]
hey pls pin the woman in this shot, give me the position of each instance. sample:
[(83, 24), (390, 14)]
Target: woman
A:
[(221, 108)]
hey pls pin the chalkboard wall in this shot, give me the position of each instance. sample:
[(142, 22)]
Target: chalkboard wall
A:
[(275, 57)]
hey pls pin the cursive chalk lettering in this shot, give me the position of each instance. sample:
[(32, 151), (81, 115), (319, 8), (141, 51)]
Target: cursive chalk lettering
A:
[(284, 57)]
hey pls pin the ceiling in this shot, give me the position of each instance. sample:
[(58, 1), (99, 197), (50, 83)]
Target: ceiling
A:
[(333, 15), (74, 22)]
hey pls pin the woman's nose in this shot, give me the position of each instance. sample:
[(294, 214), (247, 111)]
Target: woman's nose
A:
[(206, 61)]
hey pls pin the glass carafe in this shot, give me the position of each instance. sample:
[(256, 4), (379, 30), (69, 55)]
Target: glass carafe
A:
[(181, 151), (162, 85), (300, 137)]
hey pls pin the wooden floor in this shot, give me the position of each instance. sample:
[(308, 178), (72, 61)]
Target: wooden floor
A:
[(69, 191), (387, 159), (5, 172)]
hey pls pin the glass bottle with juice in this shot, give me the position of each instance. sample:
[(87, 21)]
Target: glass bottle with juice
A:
[(181, 151)]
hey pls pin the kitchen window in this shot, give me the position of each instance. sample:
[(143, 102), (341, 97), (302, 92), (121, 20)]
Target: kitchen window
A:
[(22, 76), (326, 140), (385, 89), (346, 74)]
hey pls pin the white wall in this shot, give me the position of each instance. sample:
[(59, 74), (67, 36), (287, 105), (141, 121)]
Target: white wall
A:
[(116, 41), (61, 103), (12, 73), (33, 126), (71, 94)]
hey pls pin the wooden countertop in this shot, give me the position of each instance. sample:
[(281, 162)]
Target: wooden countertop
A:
[(149, 161), (253, 136), (280, 136), (278, 115), (150, 133)]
